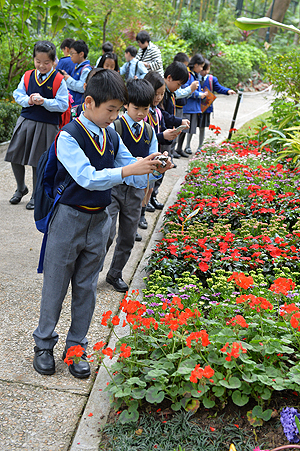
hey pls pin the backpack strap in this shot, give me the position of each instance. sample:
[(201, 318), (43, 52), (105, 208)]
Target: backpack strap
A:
[(149, 130), (136, 68), (118, 126), (27, 77), (83, 67)]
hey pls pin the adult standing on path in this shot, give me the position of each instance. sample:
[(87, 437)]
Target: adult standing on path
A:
[(149, 53)]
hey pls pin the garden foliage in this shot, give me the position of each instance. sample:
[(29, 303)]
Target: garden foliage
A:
[(220, 316)]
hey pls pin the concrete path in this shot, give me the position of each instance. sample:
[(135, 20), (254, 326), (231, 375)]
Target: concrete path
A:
[(42, 413)]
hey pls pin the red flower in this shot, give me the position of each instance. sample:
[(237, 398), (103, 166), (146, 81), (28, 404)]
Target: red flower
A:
[(203, 266), (115, 321), (108, 351), (105, 317), (241, 280), (125, 350), (99, 345), (282, 285)]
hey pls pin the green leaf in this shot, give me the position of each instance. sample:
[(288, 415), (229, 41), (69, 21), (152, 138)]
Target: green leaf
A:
[(253, 420), (218, 391), (266, 394), (128, 416), (264, 22), (193, 405), (154, 396), (239, 399), (136, 381), (232, 382), (208, 403), (157, 373), (138, 393), (297, 423), (266, 416), (176, 406)]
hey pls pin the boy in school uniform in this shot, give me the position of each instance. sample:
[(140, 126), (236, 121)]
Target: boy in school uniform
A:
[(78, 53), (127, 200), (65, 63), (96, 166), (132, 68)]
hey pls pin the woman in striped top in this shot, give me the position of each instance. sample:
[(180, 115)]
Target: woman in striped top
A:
[(149, 53)]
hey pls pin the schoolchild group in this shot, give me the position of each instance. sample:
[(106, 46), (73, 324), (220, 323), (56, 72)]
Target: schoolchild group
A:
[(116, 163)]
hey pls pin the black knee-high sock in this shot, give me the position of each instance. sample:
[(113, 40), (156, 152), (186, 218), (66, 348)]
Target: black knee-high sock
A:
[(143, 211), (19, 173), (33, 181)]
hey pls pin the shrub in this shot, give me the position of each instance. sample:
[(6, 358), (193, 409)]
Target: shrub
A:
[(9, 113), (169, 47)]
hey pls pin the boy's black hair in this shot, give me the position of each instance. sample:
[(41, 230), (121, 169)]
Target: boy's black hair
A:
[(206, 64), (132, 50), (67, 43), (143, 36), (45, 47), (106, 85), (155, 79), (107, 47), (196, 59), (80, 46), (181, 57), (178, 71), (111, 56), (92, 73), (140, 92)]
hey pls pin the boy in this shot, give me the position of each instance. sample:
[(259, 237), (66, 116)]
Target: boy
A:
[(127, 200), (79, 229), (65, 63), (78, 53), (107, 47), (132, 68)]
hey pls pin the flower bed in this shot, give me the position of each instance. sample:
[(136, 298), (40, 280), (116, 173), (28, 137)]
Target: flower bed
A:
[(220, 316)]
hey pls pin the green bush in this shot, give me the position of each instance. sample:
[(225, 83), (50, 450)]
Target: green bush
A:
[(234, 63), (9, 113), (169, 47), (200, 37)]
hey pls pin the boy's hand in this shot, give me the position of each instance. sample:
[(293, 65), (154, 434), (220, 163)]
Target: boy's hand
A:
[(194, 85), (65, 74), (170, 134), (185, 122), (169, 164), (203, 94), (231, 92), (145, 166)]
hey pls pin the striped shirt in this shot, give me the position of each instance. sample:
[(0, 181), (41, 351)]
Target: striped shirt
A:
[(152, 56)]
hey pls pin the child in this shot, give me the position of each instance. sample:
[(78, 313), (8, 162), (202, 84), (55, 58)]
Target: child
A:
[(78, 53), (212, 84), (164, 137), (38, 123), (192, 109), (65, 63), (109, 61), (181, 99), (106, 48), (127, 200), (132, 68), (78, 109), (76, 256)]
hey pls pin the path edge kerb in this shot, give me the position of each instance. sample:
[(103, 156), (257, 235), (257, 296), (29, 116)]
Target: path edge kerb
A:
[(89, 430)]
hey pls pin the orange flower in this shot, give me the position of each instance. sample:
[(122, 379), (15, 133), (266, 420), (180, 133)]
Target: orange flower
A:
[(198, 373), (241, 280), (108, 351), (125, 350), (99, 345), (239, 320), (282, 285)]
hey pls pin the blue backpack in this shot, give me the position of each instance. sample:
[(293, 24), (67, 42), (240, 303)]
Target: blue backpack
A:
[(45, 200)]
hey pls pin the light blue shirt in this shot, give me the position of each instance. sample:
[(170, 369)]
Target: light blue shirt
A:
[(73, 158), (183, 92), (140, 71), (60, 102), (77, 85)]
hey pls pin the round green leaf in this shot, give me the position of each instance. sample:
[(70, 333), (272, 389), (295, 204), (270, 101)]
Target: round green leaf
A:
[(239, 399)]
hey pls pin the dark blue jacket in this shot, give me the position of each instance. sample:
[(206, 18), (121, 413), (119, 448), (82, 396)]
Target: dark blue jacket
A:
[(65, 63)]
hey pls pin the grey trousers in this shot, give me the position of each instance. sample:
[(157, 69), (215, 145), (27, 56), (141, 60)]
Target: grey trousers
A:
[(127, 202), (75, 246)]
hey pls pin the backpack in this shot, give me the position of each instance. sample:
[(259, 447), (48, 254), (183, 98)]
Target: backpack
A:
[(65, 117), (44, 202), (119, 129)]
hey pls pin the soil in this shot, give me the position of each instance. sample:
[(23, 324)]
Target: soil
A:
[(268, 436)]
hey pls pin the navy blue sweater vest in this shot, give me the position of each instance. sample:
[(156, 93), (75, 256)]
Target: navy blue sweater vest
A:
[(37, 112), (74, 195), (78, 96), (138, 147)]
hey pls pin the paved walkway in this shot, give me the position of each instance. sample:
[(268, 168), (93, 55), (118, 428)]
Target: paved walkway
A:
[(42, 413)]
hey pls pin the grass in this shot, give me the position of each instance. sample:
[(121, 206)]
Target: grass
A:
[(181, 433), (248, 129)]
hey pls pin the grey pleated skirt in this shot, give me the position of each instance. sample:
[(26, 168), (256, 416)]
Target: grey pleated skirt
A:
[(29, 141)]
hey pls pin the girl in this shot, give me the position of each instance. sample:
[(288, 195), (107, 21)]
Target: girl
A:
[(192, 109), (211, 83), (164, 136), (43, 94), (109, 61)]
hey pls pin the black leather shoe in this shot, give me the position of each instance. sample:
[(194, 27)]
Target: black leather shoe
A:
[(176, 154), (18, 196), (118, 283), (188, 150), (183, 154), (43, 361), (158, 205), (150, 208), (80, 370), (138, 237), (143, 224), (30, 205)]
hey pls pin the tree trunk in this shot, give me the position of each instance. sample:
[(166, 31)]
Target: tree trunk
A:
[(280, 7), (105, 23)]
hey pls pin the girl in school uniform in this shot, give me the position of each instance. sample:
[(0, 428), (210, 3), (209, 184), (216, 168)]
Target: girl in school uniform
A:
[(43, 94), (192, 109)]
